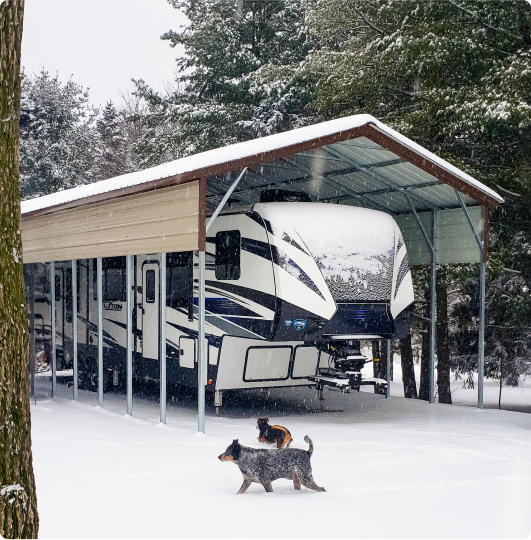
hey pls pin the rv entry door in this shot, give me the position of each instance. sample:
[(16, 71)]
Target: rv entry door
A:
[(151, 308)]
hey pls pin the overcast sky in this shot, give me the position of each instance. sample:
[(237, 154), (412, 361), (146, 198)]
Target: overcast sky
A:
[(101, 44)]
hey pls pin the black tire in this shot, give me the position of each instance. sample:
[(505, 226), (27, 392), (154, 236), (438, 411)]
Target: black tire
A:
[(88, 374)]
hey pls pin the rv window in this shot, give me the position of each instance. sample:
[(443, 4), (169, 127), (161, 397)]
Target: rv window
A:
[(179, 280), (114, 279), (69, 301), (78, 286), (57, 288), (95, 279), (228, 255), (150, 286), (114, 285)]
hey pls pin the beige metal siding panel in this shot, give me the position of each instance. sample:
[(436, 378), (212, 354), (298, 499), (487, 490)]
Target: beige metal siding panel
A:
[(163, 220)]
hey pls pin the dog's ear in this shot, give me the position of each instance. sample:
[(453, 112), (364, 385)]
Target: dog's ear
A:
[(266, 420), (235, 441)]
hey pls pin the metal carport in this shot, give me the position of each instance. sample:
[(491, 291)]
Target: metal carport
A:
[(357, 160)]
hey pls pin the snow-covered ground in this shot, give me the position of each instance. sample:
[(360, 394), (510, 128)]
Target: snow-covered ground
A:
[(392, 468)]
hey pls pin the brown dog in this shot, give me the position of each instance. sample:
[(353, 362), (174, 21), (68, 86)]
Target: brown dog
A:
[(273, 434)]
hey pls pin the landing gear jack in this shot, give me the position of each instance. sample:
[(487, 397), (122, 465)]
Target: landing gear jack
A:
[(218, 400)]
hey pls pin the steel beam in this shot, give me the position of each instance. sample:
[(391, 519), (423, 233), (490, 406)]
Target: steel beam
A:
[(461, 202), (129, 301), (201, 360), (100, 331), (225, 199), (74, 328), (162, 303), (481, 329), (32, 328), (433, 306), (388, 375), (52, 325)]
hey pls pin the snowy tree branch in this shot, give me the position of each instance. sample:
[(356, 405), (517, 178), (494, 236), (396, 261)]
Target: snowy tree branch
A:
[(481, 21)]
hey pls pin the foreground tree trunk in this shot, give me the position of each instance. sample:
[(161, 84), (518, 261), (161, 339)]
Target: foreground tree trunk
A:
[(408, 369), (18, 502), (443, 348)]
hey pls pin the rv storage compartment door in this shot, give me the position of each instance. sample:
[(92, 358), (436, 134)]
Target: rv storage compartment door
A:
[(267, 363), (187, 352), (305, 362)]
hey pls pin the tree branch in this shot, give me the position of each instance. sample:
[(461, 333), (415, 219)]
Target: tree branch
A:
[(481, 21), (366, 19)]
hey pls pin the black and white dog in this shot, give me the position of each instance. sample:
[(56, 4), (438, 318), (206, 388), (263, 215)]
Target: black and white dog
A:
[(264, 466)]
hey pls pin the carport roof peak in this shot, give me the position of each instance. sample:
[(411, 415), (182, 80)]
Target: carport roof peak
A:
[(263, 150)]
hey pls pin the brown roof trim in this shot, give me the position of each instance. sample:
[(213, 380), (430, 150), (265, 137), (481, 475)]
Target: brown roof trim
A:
[(387, 142), (368, 130)]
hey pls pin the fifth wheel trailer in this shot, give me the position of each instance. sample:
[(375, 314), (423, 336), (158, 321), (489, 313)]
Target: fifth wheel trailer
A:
[(285, 282)]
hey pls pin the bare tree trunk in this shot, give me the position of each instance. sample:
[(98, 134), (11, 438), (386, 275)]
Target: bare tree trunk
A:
[(424, 389), (408, 370), (501, 382), (18, 500), (377, 353), (443, 348)]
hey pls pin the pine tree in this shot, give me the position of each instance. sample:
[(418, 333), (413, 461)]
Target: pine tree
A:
[(239, 78), (57, 136), (18, 498), (454, 76)]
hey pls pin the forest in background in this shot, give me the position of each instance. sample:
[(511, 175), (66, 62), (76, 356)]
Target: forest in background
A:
[(453, 75)]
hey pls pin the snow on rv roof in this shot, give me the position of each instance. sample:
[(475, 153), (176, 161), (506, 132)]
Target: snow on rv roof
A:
[(240, 151)]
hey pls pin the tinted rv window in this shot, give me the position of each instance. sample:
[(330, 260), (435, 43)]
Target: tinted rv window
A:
[(150, 286), (69, 303), (228, 255), (179, 279), (114, 279)]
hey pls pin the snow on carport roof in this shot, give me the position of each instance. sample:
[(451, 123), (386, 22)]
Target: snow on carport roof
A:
[(355, 159)]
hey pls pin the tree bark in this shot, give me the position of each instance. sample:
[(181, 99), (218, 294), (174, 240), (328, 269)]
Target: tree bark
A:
[(378, 351), (443, 348), (424, 389), (18, 500), (408, 370)]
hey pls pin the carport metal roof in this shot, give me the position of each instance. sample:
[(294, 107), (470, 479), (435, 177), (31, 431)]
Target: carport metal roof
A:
[(356, 160)]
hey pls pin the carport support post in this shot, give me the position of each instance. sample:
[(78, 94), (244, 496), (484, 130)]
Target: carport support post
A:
[(201, 364), (100, 330), (129, 362), (162, 304), (388, 374), (52, 328), (481, 337), (74, 327), (433, 311), (32, 328)]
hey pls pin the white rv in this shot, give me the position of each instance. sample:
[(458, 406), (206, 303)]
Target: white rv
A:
[(285, 281)]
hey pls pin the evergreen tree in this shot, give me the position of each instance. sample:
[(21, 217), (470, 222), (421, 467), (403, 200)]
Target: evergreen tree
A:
[(57, 136), (239, 79), (454, 76)]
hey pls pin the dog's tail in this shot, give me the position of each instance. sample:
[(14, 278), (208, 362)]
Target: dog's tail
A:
[(309, 441)]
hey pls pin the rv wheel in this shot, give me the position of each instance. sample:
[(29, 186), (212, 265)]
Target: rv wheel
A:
[(88, 374)]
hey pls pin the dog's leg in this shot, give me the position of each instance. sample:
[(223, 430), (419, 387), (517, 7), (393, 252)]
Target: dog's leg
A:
[(308, 481), (296, 481), (246, 483), (267, 484)]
